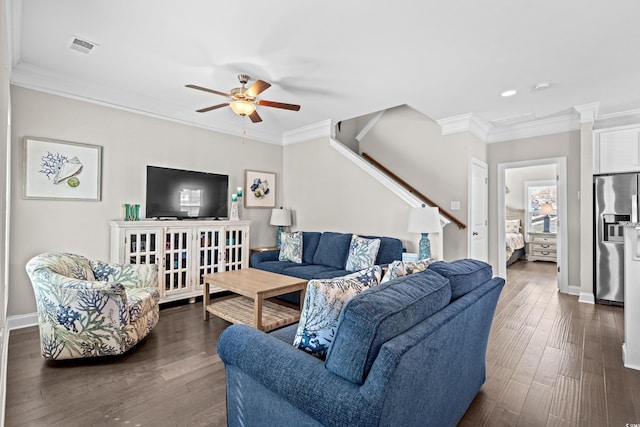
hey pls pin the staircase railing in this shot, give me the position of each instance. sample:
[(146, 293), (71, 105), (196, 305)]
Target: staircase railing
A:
[(414, 191)]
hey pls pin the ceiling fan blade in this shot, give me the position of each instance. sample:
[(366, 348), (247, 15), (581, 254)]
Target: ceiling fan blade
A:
[(278, 105), (207, 90), (255, 117), (204, 110), (257, 88)]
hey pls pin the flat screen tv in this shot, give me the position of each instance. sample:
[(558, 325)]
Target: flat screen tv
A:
[(176, 193)]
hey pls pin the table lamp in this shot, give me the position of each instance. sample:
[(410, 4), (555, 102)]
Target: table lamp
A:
[(281, 218), (424, 220), (546, 210)]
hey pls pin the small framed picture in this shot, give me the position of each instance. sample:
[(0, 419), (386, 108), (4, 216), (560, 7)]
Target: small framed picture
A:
[(259, 189), (61, 170)]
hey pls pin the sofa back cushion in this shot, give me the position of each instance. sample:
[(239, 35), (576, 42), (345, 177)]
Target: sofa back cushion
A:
[(310, 241), (390, 249), (379, 314), (333, 249), (464, 274)]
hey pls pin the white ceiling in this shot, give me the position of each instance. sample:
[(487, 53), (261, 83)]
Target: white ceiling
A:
[(337, 59)]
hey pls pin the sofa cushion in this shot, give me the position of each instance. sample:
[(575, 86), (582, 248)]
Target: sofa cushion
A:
[(380, 313), (279, 267), (322, 305), (291, 247), (141, 301), (403, 268), (362, 253), (464, 274), (390, 249), (310, 241), (332, 250), (312, 271)]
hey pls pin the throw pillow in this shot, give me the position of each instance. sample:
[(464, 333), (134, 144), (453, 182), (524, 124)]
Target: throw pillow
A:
[(291, 247), (403, 268), (323, 303), (512, 226), (362, 253)]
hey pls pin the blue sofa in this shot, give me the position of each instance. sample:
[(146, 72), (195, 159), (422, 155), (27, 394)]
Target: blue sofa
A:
[(324, 256), (407, 352)]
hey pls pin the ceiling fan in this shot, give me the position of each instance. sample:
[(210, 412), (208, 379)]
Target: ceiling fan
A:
[(243, 101)]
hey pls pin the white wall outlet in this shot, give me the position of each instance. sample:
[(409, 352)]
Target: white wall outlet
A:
[(455, 205)]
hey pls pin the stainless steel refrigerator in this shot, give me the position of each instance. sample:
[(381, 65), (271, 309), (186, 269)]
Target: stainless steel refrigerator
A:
[(615, 202)]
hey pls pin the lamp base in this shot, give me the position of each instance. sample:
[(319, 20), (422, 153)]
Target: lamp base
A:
[(547, 224), (279, 237), (424, 247)]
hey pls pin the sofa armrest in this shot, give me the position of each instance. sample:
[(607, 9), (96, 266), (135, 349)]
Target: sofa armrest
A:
[(296, 377), (259, 257)]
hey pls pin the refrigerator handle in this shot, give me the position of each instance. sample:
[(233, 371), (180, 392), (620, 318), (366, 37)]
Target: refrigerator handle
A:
[(634, 208)]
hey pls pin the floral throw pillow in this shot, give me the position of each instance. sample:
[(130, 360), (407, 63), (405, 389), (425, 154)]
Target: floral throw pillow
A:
[(402, 268), (362, 253), (291, 246), (323, 303)]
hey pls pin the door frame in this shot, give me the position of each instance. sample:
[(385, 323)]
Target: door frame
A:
[(478, 162), (562, 237)]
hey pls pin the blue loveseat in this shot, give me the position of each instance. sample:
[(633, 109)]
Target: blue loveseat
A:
[(408, 352), (324, 256)]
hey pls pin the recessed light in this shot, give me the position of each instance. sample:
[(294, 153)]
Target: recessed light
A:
[(509, 92), (542, 86)]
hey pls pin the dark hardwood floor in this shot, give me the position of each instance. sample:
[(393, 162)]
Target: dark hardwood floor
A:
[(551, 362)]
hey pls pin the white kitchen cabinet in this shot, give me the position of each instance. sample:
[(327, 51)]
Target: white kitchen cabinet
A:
[(617, 150), (184, 250)]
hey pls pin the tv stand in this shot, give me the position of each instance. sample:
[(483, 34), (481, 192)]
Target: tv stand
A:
[(184, 250)]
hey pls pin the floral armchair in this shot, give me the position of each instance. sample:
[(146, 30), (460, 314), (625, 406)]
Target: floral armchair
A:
[(90, 308)]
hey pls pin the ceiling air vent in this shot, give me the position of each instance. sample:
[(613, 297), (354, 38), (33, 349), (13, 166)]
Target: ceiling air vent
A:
[(82, 45)]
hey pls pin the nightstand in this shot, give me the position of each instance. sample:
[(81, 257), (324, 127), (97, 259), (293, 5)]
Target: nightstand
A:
[(542, 247)]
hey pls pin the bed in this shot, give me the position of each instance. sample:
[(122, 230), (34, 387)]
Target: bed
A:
[(514, 238)]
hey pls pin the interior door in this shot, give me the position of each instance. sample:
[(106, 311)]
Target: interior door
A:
[(478, 210)]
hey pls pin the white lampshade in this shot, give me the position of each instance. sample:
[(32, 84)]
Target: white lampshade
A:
[(546, 209), (424, 220), (280, 217)]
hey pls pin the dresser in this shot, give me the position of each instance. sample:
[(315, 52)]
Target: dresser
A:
[(542, 247)]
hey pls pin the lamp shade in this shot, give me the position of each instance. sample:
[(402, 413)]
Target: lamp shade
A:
[(546, 209), (280, 217), (424, 220), (242, 108)]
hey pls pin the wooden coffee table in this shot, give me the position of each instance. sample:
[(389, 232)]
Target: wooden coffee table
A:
[(250, 306)]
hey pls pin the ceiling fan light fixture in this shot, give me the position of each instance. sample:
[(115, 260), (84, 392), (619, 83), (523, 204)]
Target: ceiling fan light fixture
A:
[(242, 108)]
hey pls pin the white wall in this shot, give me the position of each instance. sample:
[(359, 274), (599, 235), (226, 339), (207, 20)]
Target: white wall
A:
[(412, 146), (327, 192), (130, 142), (515, 178), (565, 144)]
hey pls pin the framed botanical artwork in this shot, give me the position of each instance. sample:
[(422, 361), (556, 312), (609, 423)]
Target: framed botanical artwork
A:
[(259, 189), (61, 170)]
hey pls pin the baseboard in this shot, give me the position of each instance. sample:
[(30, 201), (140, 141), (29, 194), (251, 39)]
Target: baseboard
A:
[(631, 360), (587, 298), (22, 321), (573, 290), (4, 356)]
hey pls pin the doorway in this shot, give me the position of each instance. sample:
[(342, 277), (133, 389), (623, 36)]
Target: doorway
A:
[(560, 217)]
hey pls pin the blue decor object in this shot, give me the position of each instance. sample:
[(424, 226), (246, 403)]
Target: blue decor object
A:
[(279, 237), (425, 247), (547, 223)]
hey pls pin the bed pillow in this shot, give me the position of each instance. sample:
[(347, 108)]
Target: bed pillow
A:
[(512, 226), (323, 303), (362, 253), (291, 247)]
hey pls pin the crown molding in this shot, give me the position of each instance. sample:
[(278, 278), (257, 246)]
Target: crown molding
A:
[(323, 129), (465, 123), (588, 112), (547, 126)]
